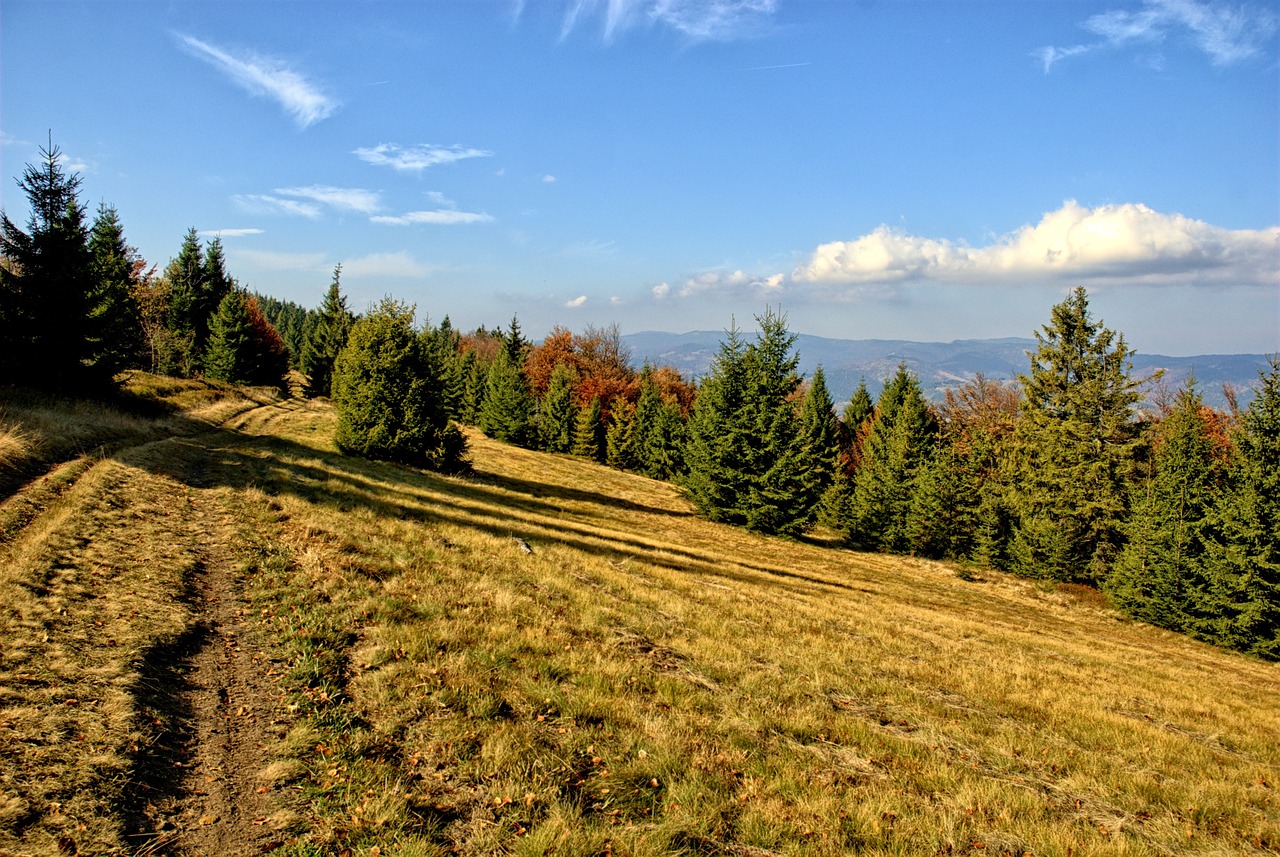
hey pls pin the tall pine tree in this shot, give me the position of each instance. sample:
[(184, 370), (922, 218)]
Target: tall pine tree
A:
[(327, 338), (1074, 449), (115, 320), (1160, 574), (46, 282)]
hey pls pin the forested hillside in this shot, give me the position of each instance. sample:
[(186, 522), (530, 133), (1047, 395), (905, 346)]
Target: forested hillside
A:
[(1168, 505)]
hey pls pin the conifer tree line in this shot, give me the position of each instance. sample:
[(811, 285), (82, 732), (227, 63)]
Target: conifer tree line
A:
[(1065, 474), (78, 304)]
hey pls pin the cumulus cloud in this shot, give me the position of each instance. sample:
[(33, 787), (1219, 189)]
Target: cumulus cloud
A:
[(1227, 34), (439, 217), (661, 291), (732, 283), (1110, 243), (576, 302), (269, 77), (415, 159), (699, 20)]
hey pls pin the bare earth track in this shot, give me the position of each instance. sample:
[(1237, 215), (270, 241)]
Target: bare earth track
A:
[(178, 667)]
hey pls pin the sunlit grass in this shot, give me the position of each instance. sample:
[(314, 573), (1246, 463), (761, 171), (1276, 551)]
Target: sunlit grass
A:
[(645, 682)]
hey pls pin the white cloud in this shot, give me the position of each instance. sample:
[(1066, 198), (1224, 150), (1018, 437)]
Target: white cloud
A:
[(549, 179), (399, 264), (733, 282), (265, 76), (440, 217), (576, 302), (230, 233), (274, 261), (699, 20), (1050, 56), (1107, 244), (661, 291), (440, 199), (257, 203), (1226, 33), (342, 198), (415, 159)]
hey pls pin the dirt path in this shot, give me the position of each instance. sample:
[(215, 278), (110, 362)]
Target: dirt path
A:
[(208, 795)]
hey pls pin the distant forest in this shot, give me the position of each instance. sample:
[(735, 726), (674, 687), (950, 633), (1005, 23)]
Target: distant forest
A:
[(1172, 509)]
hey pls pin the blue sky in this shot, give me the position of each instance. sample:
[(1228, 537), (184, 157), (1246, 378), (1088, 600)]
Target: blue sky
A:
[(913, 170)]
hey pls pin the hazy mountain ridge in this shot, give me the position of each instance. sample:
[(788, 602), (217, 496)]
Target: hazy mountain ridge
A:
[(939, 365)]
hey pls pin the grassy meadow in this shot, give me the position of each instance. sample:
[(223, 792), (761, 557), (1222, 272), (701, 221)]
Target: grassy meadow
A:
[(642, 682)]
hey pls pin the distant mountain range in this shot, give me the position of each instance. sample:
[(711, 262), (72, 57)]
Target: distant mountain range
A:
[(938, 365)]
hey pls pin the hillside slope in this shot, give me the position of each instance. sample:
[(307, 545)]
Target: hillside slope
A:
[(547, 656)]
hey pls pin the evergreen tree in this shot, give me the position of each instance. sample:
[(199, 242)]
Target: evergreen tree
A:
[(1074, 449), (46, 280), (387, 398), (115, 320), (897, 446), (658, 431), (443, 342), (228, 356), (589, 432), (819, 442), (507, 411), (620, 435), (1160, 575), (243, 346), (1243, 561), (210, 288), (716, 481), (327, 338), (557, 412), (185, 274)]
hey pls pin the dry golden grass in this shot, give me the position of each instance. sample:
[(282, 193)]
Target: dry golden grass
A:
[(645, 682)]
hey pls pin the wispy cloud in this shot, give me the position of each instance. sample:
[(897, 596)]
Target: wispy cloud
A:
[(1116, 244), (269, 77), (699, 20), (310, 201), (439, 217), (259, 203), (1227, 34), (415, 159), (231, 233), (580, 300), (549, 179), (341, 198)]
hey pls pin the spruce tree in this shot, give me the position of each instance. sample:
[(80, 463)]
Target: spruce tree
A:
[(507, 411), (1074, 449), (46, 282), (557, 412), (387, 398), (1160, 574), (1243, 561), (897, 446), (228, 356), (326, 339), (589, 432), (716, 481), (211, 287), (185, 275), (115, 322), (619, 437), (819, 442)]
